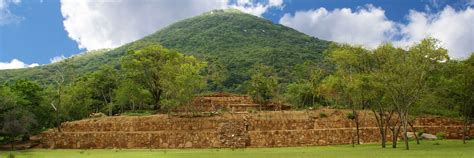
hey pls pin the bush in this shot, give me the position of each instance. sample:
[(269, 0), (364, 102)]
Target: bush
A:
[(323, 115), (441, 135), (350, 116)]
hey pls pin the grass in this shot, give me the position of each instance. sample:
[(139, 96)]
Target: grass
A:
[(138, 113), (428, 149)]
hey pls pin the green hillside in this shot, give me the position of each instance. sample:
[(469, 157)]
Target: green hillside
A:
[(227, 38)]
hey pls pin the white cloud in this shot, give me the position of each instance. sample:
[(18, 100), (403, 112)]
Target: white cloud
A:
[(111, 23), (455, 30), (256, 8), (15, 64), (105, 24), (6, 17), (57, 59), (369, 26)]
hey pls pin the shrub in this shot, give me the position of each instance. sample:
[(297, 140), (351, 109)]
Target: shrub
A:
[(323, 115), (350, 116), (441, 135)]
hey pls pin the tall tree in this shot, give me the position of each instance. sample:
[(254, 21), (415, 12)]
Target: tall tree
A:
[(104, 82), (458, 88), (352, 65), (305, 91), (405, 74), (263, 84), (15, 119), (166, 74)]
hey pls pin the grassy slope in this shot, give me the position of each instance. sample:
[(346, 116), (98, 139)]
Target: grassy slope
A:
[(230, 37), (447, 148)]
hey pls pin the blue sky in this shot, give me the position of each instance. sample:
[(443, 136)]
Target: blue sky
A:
[(36, 31)]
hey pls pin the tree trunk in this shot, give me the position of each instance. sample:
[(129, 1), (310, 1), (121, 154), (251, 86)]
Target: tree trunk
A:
[(383, 138), (133, 105), (464, 132), (13, 143), (414, 133), (157, 100), (405, 126), (382, 129), (394, 137), (58, 120), (356, 119), (395, 130)]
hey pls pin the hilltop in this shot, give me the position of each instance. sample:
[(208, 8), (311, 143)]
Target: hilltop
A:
[(230, 39)]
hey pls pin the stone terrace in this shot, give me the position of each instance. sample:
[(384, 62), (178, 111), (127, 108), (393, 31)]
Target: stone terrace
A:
[(262, 129)]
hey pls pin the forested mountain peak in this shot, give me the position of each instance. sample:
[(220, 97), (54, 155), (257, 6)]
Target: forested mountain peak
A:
[(231, 39)]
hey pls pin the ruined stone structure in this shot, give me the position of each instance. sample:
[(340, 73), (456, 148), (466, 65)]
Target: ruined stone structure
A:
[(231, 102), (263, 129)]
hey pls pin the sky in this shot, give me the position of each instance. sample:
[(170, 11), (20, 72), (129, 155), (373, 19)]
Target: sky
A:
[(38, 32)]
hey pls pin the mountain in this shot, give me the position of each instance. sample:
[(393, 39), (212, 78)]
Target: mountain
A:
[(230, 38)]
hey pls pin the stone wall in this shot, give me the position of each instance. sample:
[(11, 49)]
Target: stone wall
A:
[(263, 129), (229, 102)]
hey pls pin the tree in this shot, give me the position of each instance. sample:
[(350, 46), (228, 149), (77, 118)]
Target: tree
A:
[(216, 75), (182, 80), (352, 65), (305, 91), (31, 98), (379, 104), (64, 73), (15, 120), (103, 83), (459, 87), (170, 77), (405, 74), (466, 88), (263, 84), (331, 89), (131, 94)]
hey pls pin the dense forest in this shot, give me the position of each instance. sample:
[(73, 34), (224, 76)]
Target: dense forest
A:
[(272, 64)]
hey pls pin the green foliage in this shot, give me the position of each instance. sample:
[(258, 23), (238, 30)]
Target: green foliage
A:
[(233, 39), (323, 115), (350, 116), (132, 96), (138, 113), (441, 135), (306, 91), (170, 77), (263, 84)]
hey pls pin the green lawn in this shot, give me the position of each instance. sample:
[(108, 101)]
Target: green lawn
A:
[(428, 149)]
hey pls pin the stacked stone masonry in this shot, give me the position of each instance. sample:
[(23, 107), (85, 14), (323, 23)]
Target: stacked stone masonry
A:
[(263, 129)]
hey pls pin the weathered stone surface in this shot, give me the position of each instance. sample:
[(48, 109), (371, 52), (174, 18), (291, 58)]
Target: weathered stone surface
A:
[(263, 129), (428, 136)]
